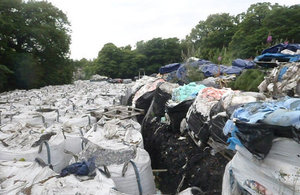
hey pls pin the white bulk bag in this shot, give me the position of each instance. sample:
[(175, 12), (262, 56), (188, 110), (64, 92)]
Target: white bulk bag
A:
[(278, 173), (18, 177), (20, 142), (72, 184), (123, 131), (115, 155)]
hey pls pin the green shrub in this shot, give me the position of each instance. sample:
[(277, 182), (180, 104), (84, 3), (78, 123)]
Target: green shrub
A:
[(194, 74), (248, 80)]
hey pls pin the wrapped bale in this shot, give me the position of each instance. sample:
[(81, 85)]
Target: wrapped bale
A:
[(276, 174), (198, 114), (129, 167)]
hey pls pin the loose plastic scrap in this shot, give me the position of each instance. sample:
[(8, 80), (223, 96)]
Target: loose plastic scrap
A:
[(79, 168), (283, 80), (256, 124), (185, 92)]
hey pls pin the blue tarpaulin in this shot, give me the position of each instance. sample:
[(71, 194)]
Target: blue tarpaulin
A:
[(169, 68), (256, 124), (232, 70), (213, 69), (278, 56), (182, 70), (243, 63), (278, 48)]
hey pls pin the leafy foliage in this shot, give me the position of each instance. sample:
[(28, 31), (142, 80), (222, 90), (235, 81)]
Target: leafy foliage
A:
[(248, 80), (34, 44), (123, 62), (244, 35)]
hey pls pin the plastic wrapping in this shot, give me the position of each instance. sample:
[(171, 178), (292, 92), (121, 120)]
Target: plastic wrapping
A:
[(278, 173)]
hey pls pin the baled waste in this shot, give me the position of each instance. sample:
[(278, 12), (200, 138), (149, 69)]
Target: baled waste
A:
[(199, 138)]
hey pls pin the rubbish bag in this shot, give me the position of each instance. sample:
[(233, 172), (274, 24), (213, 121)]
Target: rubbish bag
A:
[(199, 112), (257, 138), (177, 113), (151, 86)]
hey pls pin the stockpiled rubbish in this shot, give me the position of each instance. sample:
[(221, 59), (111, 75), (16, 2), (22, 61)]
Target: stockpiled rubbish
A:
[(36, 178), (188, 134), (283, 80), (265, 136), (191, 152), (46, 135), (210, 69), (282, 52)]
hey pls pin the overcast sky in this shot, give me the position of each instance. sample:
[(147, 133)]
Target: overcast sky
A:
[(124, 22)]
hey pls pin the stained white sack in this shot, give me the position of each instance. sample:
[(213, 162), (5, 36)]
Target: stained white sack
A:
[(115, 155), (278, 173), (72, 184), (20, 141), (18, 177)]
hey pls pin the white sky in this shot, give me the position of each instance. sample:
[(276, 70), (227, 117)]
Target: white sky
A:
[(124, 22)]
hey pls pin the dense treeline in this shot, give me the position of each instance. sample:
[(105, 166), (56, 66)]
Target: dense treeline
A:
[(244, 35), (34, 43), (241, 36)]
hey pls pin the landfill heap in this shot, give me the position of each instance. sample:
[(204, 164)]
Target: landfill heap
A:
[(266, 138), (183, 131), (104, 136), (283, 80), (72, 139)]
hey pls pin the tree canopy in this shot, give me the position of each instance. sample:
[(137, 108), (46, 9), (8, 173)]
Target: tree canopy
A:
[(34, 44), (125, 62), (244, 35), (35, 40)]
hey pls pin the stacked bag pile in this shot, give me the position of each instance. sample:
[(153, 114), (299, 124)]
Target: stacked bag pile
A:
[(50, 143), (265, 136)]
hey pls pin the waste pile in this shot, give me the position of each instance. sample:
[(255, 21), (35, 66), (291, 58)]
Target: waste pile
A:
[(283, 80), (72, 139), (105, 135), (183, 133), (265, 136), (182, 72), (271, 57)]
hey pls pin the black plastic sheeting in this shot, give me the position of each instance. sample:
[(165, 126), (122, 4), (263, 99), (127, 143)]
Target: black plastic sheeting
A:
[(216, 129), (258, 137), (199, 125), (177, 113)]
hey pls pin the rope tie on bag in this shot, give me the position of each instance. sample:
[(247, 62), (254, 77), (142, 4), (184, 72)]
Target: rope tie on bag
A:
[(48, 152), (105, 171), (137, 174)]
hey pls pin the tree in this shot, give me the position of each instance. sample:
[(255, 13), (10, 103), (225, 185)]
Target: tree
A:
[(34, 43), (213, 34), (250, 38), (118, 62), (159, 52)]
